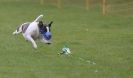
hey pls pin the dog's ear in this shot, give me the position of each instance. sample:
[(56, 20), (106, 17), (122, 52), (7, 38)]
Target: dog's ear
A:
[(50, 24)]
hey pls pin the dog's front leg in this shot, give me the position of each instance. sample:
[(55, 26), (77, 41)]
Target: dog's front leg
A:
[(29, 38)]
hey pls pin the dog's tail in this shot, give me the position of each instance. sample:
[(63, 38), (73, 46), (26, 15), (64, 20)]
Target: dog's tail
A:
[(38, 18)]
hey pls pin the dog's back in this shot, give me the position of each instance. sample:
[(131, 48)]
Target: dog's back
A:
[(32, 30)]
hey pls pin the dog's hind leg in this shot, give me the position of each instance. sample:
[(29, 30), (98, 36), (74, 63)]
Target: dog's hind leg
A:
[(29, 38)]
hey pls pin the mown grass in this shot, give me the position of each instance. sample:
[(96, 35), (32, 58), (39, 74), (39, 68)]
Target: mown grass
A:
[(101, 46)]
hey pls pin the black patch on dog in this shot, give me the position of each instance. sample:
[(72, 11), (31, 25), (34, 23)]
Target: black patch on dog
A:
[(18, 29), (24, 27)]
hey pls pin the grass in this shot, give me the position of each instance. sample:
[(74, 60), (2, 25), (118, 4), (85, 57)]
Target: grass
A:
[(101, 46)]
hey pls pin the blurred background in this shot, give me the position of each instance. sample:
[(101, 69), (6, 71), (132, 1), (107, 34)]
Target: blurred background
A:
[(115, 7)]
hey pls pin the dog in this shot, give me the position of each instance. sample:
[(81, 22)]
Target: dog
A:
[(32, 31)]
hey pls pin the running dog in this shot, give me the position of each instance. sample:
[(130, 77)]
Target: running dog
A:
[(32, 31)]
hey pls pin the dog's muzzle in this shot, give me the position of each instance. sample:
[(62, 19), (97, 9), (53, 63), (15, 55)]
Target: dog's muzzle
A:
[(48, 35)]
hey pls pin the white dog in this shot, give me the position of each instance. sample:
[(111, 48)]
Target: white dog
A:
[(31, 31)]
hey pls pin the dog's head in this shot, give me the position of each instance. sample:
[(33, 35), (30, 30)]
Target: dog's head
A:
[(45, 30)]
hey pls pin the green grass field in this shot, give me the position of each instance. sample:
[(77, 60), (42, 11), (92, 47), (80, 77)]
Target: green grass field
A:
[(101, 46)]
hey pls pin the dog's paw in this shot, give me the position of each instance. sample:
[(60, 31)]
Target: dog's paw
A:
[(35, 46)]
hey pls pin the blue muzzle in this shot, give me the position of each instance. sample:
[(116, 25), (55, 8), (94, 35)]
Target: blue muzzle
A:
[(47, 35)]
